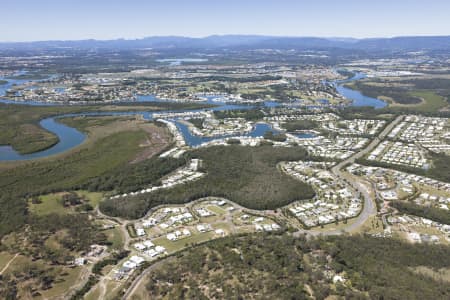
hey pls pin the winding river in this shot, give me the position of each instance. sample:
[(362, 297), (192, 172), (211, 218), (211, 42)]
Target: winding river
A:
[(71, 137)]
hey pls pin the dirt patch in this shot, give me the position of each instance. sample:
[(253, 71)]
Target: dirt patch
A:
[(158, 138)]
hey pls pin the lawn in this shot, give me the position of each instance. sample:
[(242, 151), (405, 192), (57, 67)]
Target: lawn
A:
[(51, 203), (174, 246), (431, 103), (217, 210), (115, 237)]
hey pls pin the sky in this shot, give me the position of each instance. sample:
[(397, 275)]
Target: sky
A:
[(32, 20)]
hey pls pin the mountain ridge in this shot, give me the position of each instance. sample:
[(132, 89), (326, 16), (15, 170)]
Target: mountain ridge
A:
[(412, 43)]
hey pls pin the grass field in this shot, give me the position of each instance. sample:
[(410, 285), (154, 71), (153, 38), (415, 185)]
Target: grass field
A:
[(115, 236), (431, 102), (51, 203), (174, 246)]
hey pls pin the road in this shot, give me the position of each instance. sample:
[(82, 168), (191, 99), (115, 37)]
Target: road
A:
[(369, 207)]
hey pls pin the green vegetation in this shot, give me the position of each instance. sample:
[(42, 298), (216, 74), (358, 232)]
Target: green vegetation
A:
[(57, 238), (428, 212), (48, 246), (300, 125), (115, 238), (30, 76), (440, 169), (20, 127), (175, 246), (197, 122), (67, 173), (408, 96), (61, 203), (245, 175), (113, 260), (433, 102), (26, 279), (277, 137), (248, 114), (132, 177), (283, 267), (93, 280), (397, 94), (74, 170), (85, 123), (344, 72)]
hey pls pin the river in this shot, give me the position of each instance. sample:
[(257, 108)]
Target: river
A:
[(71, 137)]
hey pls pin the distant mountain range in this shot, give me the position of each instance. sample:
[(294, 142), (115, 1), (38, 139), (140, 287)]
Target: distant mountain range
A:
[(408, 43)]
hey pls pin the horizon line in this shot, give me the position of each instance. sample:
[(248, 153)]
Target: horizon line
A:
[(222, 35)]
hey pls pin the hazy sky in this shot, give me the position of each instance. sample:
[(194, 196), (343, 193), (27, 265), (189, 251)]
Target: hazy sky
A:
[(25, 20)]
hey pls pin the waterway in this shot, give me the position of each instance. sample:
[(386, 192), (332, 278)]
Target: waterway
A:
[(71, 137), (358, 99)]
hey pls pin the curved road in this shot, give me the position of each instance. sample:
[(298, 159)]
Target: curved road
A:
[(369, 207)]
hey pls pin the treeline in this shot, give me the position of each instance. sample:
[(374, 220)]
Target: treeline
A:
[(384, 268), (94, 168), (439, 85), (428, 212), (300, 125), (276, 91), (132, 177), (283, 267), (245, 175), (398, 94), (197, 123), (277, 137), (241, 79), (440, 170), (344, 72), (112, 260), (248, 114)]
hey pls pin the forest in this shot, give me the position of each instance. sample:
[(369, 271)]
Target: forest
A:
[(265, 266), (300, 125), (245, 175)]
